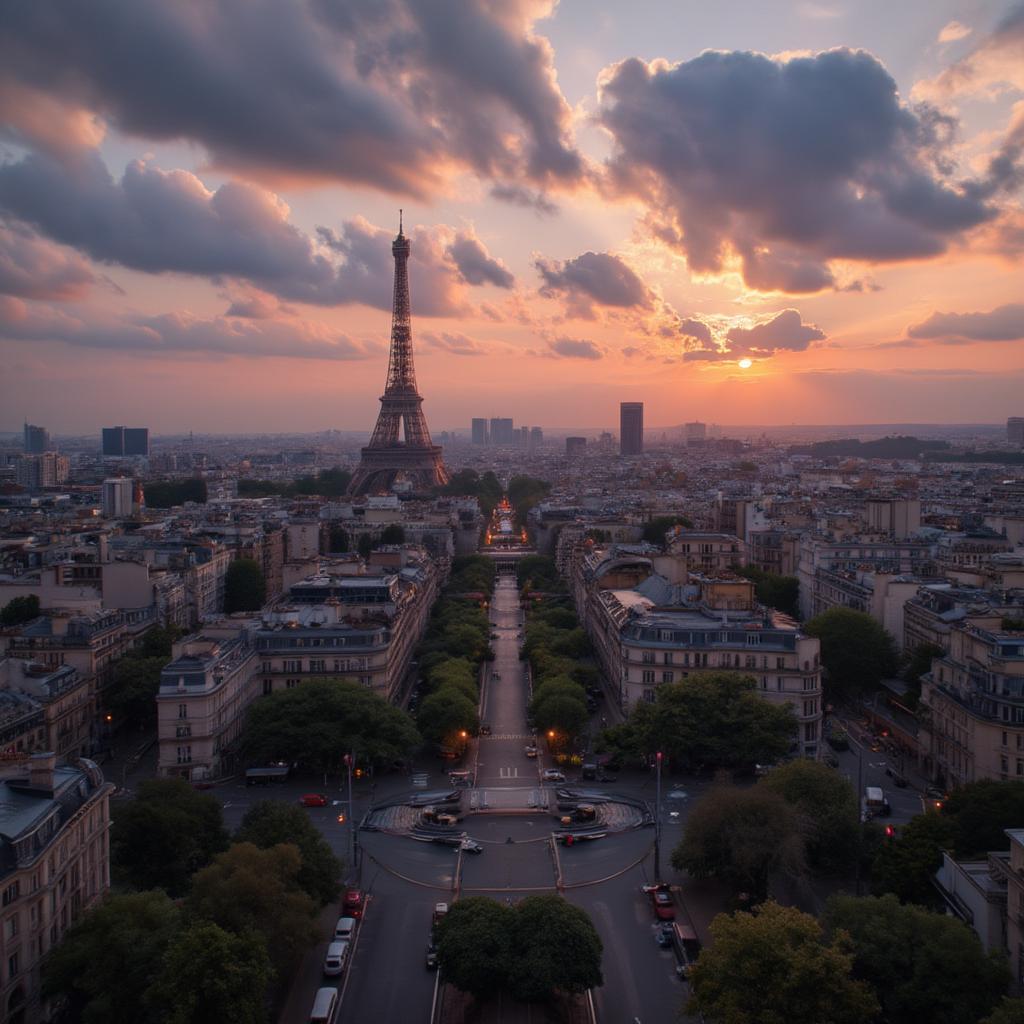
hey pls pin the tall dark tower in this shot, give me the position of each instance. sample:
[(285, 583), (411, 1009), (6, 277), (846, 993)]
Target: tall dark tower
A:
[(401, 447)]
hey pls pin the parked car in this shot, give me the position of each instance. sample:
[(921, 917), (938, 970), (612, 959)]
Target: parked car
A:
[(313, 800), (344, 929), (552, 775), (531, 751), (663, 935), (336, 958), (661, 901), (352, 905), (431, 957)]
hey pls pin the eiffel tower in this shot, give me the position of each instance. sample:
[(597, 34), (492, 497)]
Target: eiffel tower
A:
[(395, 453)]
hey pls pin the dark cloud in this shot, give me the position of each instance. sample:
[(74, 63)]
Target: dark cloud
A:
[(575, 348), (519, 196), (393, 94), (784, 332), (178, 333), (34, 268), (593, 278), (475, 264), (158, 221), (1004, 323), (456, 344), (695, 329), (785, 165)]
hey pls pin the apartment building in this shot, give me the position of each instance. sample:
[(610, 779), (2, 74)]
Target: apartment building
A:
[(46, 708)]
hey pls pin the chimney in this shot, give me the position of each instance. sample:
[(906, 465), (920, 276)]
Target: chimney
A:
[(40, 771)]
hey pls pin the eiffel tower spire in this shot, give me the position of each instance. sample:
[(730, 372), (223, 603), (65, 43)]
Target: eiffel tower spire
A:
[(400, 446)]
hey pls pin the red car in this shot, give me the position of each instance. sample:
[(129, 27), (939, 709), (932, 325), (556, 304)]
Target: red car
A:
[(313, 800), (352, 906), (661, 901)]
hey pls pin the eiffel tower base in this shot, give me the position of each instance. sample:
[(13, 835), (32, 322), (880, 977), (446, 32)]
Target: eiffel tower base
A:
[(379, 468)]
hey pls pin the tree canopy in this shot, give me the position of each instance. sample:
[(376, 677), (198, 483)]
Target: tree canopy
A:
[(271, 822), (164, 835), (486, 488), (168, 493), (856, 652), (781, 592), (475, 944), (654, 531), (393, 533), (922, 966), (130, 697), (773, 967), (538, 572), (445, 714), (319, 721), (524, 492), (1009, 1011), (740, 836), (245, 590), (19, 610)]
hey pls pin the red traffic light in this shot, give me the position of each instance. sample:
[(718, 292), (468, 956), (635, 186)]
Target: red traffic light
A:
[(889, 832)]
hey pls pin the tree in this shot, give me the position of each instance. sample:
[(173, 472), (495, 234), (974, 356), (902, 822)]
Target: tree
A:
[(655, 530), (919, 662), (565, 714), (131, 695), (164, 835), (244, 587), (338, 539), (445, 714), (105, 962), (1009, 1011), (524, 492), (773, 967), (248, 890), (555, 946), (19, 610), (365, 545), (922, 966), (740, 836), (538, 572), (392, 534), (474, 945), (856, 652), (271, 822), (319, 721), (715, 719), (906, 866), (981, 811), (158, 642), (827, 808), (210, 976), (168, 493), (781, 592)]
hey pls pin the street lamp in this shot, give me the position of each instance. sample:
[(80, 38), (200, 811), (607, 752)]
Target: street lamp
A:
[(657, 819), (350, 763)]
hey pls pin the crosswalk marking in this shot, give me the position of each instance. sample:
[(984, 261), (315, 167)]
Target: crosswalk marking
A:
[(507, 736), (508, 772)]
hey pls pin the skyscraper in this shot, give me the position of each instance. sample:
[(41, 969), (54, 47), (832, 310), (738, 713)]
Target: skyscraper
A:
[(136, 441), (536, 439), (37, 440), (696, 433), (631, 428), (113, 440), (575, 447), (1014, 430), (501, 430), (400, 447), (117, 497), (479, 430)]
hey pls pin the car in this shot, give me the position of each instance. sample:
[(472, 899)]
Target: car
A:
[(485, 729), (663, 934), (431, 957), (352, 905), (470, 846), (552, 775), (677, 794), (531, 751), (935, 792), (661, 900), (313, 800), (344, 928), (761, 770)]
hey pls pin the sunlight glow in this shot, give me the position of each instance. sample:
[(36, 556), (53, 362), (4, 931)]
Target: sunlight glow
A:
[(746, 364)]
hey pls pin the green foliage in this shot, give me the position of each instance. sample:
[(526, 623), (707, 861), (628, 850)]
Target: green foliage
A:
[(249, 891), (164, 835), (475, 944), (472, 573), (446, 713), (524, 492), (538, 572), (716, 719), (392, 534), (328, 483), (19, 610), (338, 539), (271, 822), (781, 592), (922, 966), (856, 651), (209, 976), (468, 483), (566, 715), (262, 489), (105, 962), (919, 662), (1009, 1011), (740, 836), (827, 808), (158, 642), (655, 530), (317, 722), (365, 545), (555, 946), (981, 811), (905, 866), (245, 590), (168, 493), (772, 967), (130, 697)]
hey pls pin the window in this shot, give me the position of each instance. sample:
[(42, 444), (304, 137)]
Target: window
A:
[(294, 665), (290, 684), (666, 677), (780, 662), (185, 755), (810, 707), (11, 924), (268, 666), (183, 711), (183, 731), (753, 639), (268, 686), (648, 676), (11, 893), (317, 665), (810, 731), (648, 696), (667, 657), (810, 684), (647, 658), (1020, 771), (12, 965), (750, 661)]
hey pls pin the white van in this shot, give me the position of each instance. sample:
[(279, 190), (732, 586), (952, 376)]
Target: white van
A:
[(875, 803), (325, 1006), (337, 957), (344, 929)]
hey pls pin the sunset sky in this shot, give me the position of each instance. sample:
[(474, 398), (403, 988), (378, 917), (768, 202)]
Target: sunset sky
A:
[(606, 201)]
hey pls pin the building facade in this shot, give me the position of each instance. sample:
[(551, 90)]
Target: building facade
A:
[(631, 428)]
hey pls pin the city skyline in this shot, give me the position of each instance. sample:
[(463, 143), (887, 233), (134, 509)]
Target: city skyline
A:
[(806, 218)]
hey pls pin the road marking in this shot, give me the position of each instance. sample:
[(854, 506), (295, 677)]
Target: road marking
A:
[(508, 772)]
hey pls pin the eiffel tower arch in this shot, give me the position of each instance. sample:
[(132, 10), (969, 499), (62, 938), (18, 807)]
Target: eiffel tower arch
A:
[(400, 447)]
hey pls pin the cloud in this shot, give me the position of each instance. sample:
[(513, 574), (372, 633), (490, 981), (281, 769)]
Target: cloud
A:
[(952, 31), (178, 333), (158, 221), (593, 278), (456, 344), (784, 332), (393, 94), (475, 264), (782, 166), (34, 268), (519, 196), (575, 348), (696, 330), (1004, 323)]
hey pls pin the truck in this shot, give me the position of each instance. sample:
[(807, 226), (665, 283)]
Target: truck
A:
[(264, 776)]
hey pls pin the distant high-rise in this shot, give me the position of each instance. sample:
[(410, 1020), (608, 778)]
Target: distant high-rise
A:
[(502, 431), (136, 441), (696, 433), (522, 437), (536, 439), (479, 430), (117, 497), (37, 440), (631, 428), (47, 469), (575, 447), (1014, 430)]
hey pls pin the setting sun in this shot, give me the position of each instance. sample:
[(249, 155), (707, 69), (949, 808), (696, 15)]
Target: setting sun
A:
[(746, 364)]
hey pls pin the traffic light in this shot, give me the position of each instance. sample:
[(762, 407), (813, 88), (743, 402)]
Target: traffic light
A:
[(890, 832), (341, 818), (109, 717)]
